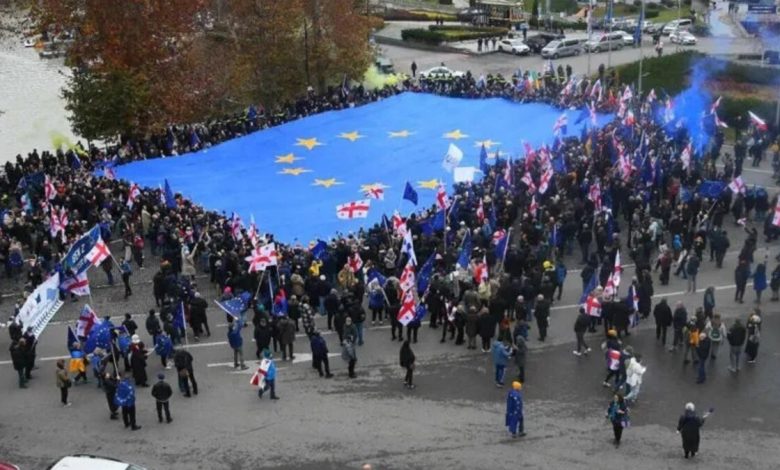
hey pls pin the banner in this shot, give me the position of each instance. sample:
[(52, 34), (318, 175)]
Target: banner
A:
[(76, 260), (41, 305)]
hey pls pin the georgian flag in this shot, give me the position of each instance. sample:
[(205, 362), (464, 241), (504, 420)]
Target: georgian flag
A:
[(399, 226), (262, 257), (133, 195), (375, 193), (252, 233), (353, 210), (533, 208), (596, 90), (544, 182), (78, 284), (98, 253), (529, 181), (408, 279), (87, 320), (498, 235), (627, 94), (685, 157), (593, 306), (481, 271), (355, 262), (776, 218), (408, 308), (651, 96), (235, 227), (480, 212), (594, 194), (629, 120), (560, 124), (407, 246), (109, 173), (442, 200), (737, 185), (58, 222), (49, 191)]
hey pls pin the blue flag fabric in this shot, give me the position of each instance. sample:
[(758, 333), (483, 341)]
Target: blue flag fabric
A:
[(170, 201), (179, 320), (594, 279), (454, 215), (99, 337), (439, 220), (163, 346), (75, 162), (76, 258), (318, 250), (483, 164), (373, 273), (419, 314), (424, 276), (194, 138), (584, 114), (235, 306), (501, 246), (71, 338), (711, 189), (125, 394), (492, 217), (410, 194), (123, 343), (465, 252), (559, 164)]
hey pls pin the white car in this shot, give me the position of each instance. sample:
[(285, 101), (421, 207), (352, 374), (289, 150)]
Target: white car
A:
[(91, 462), (628, 38), (439, 73), (514, 46), (684, 38)]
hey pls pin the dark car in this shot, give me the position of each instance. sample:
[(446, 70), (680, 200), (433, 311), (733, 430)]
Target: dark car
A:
[(470, 15), (537, 42)]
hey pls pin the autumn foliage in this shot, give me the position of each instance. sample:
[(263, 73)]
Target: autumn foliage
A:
[(189, 60)]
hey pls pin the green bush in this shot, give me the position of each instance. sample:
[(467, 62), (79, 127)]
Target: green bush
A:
[(422, 35), (475, 29), (650, 14), (577, 26)]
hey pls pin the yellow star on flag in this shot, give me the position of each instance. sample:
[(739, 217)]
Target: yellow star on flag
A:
[(308, 143), (456, 135), (289, 158), (326, 183), (403, 133), (487, 143), (351, 136), (364, 188), (294, 171), (430, 184)]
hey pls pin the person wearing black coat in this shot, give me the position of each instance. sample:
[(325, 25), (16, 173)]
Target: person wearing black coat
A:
[(162, 393), (407, 362), (621, 314), (688, 427), (331, 304), (263, 335), (486, 327), (679, 320), (542, 315), (19, 360), (663, 320), (741, 275), (703, 353), (138, 363), (153, 326), (580, 327), (198, 318), (130, 325), (319, 353), (182, 360), (736, 337), (110, 383)]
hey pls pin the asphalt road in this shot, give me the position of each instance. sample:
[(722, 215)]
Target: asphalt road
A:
[(452, 420), (507, 64)]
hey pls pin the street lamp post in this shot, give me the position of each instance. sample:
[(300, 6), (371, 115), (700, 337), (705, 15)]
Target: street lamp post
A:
[(610, 6), (589, 19), (641, 50)]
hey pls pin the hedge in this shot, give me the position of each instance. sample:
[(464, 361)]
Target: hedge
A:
[(437, 36), (479, 29)]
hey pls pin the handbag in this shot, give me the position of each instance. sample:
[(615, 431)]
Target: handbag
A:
[(66, 383)]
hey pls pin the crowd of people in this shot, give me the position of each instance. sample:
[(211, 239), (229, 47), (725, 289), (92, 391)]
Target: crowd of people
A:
[(624, 189)]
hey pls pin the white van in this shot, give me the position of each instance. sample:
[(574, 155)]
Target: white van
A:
[(683, 24)]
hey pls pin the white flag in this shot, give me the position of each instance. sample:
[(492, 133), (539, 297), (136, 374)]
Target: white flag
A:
[(453, 158)]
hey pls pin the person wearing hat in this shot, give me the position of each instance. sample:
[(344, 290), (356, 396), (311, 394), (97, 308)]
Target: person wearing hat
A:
[(162, 393), (514, 410), (270, 376)]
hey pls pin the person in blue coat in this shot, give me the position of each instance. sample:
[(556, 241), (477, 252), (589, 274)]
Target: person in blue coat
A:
[(759, 280), (270, 377), (514, 410), (501, 354), (236, 341), (163, 346), (319, 353), (125, 398)]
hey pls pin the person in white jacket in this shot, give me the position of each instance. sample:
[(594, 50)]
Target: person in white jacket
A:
[(634, 372)]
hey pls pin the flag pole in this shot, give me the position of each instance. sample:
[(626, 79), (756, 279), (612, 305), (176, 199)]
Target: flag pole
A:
[(506, 248)]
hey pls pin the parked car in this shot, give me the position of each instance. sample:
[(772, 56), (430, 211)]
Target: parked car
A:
[(513, 46), (607, 41), (537, 42), (649, 27), (469, 15), (384, 64), (674, 25), (562, 48), (91, 462), (683, 37), (440, 73)]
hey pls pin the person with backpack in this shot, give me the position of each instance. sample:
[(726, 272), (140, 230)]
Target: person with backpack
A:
[(127, 271), (716, 331)]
